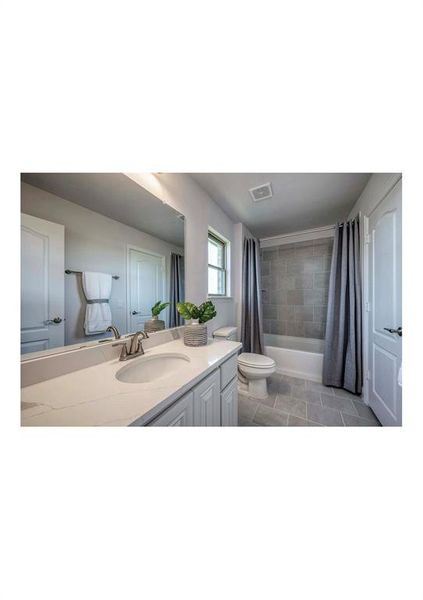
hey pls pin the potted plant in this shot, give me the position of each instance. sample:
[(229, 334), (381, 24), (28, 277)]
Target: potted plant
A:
[(155, 324), (195, 334)]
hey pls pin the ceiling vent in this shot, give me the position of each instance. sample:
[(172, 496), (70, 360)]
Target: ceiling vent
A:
[(261, 192)]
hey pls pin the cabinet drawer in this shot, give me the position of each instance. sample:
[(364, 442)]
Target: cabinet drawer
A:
[(228, 370)]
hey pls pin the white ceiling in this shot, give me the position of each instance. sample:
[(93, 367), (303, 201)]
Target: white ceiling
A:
[(116, 196), (300, 200)]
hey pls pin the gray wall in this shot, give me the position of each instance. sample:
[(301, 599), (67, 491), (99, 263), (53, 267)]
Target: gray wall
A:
[(295, 282), (92, 243)]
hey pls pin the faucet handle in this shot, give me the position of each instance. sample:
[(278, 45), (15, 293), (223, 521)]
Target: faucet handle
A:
[(124, 351)]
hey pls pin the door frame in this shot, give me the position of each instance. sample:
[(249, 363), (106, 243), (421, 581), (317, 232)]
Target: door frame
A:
[(130, 247)]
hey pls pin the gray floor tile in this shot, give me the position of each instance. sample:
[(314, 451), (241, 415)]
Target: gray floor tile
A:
[(285, 388), (293, 380), (294, 421), (292, 406), (270, 417), (269, 401), (324, 416), (318, 387), (246, 408), (364, 411), (273, 384), (351, 421), (246, 422), (307, 395), (344, 394), (343, 404)]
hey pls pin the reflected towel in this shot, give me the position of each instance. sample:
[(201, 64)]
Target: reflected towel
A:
[(400, 376), (98, 316)]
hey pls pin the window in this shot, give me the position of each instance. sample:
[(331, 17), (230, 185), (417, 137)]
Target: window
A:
[(217, 271)]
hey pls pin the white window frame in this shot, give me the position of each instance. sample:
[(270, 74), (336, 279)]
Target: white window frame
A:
[(226, 268)]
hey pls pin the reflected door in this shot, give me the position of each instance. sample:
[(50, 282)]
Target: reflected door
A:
[(146, 285), (42, 284), (385, 339)]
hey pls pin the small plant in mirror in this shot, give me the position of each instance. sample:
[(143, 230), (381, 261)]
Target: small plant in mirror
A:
[(158, 307)]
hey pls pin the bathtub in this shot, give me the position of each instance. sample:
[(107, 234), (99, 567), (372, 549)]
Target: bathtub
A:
[(295, 356)]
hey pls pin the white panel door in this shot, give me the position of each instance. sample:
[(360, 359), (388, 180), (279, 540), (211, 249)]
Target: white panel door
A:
[(179, 414), (207, 402), (229, 404), (146, 285), (385, 347), (42, 284)]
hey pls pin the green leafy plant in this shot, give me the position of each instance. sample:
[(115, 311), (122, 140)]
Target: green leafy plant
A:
[(203, 313), (158, 307)]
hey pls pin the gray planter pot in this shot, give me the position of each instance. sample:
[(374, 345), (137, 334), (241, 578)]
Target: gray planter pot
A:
[(195, 335), (153, 325)]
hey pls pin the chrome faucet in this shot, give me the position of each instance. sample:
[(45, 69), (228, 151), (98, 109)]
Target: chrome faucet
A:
[(135, 348), (115, 331)]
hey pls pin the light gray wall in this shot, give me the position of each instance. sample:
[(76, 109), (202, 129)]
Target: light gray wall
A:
[(181, 192), (92, 243), (295, 284), (376, 189)]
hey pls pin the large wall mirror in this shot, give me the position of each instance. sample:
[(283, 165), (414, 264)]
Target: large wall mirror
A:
[(98, 252)]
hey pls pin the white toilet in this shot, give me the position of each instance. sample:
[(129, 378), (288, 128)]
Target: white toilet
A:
[(253, 369)]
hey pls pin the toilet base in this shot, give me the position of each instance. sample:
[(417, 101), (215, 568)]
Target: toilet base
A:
[(257, 388)]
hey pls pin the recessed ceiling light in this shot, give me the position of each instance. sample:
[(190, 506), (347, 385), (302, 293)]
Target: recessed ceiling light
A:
[(261, 192)]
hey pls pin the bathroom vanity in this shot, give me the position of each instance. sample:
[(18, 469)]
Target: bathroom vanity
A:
[(171, 385)]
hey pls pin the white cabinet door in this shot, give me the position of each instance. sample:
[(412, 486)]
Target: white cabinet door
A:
[(146, 285), (207, 401), (180, 414), (42, 284), (229, 404), (385, 347)]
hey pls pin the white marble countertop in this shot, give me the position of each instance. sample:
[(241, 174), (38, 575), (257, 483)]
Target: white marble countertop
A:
[(93, 396)]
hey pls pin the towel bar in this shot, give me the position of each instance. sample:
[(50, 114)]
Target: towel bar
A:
[(69, 272)]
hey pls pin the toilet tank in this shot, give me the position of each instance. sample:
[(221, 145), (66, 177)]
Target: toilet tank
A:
[(226, 333)]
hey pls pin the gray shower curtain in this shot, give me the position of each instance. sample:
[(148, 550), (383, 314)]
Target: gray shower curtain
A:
[(176, 288), (251, 320), (342, 363)]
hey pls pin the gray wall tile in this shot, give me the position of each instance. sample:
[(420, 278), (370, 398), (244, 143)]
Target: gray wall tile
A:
[(321, 280), (296, 279), (286, 312), (270, 311), (304, 313), (295, 297), (303, 281)]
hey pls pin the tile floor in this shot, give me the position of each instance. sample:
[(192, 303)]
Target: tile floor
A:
[(301, 403)]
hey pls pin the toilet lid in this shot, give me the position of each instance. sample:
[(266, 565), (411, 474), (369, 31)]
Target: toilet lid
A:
[(249, 359)]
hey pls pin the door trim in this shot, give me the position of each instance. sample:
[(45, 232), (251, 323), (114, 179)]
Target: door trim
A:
[(130, 247)]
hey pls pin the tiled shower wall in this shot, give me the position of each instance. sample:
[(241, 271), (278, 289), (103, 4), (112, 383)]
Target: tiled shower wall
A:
[(295, 282)]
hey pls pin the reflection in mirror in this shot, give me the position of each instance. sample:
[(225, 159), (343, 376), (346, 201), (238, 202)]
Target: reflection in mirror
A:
[(100, 257)]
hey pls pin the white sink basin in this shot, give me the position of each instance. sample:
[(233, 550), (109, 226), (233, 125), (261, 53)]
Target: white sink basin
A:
[(152, 368)]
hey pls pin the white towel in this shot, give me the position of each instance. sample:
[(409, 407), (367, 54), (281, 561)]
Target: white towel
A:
[(97, 286), (400, 376)]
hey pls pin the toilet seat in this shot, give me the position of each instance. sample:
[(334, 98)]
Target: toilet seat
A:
[(257, 361)]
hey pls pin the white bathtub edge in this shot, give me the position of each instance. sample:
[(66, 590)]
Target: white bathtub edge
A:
[(297, 363), (299, 375)]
